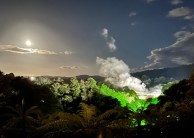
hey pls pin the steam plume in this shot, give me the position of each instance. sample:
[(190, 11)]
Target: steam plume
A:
[(118, 73)]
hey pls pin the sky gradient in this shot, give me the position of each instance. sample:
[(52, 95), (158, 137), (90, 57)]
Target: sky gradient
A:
[(67, 36)]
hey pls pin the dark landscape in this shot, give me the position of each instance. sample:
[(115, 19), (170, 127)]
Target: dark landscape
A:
[(96, 68), (55, 108)]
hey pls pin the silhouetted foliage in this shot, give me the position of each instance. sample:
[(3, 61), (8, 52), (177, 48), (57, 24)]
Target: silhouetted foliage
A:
[(15, 89), (177, 92), (28, 109)]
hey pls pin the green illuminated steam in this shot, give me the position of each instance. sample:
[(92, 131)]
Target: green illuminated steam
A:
[(127, 99)]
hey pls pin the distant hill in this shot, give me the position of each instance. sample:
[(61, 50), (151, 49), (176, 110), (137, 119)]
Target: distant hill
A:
[(85, 77), (174, 73), (177, 73)]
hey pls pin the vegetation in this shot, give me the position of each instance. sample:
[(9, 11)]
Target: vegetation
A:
[(127, 99), (53, 107)]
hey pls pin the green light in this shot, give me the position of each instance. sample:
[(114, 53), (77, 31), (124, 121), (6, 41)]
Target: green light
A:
[(134, 123), (127, 99), (154, 101), (144, 122)]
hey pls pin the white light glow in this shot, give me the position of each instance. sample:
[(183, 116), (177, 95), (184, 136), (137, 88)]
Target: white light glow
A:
[(32, 78), (28, 43)]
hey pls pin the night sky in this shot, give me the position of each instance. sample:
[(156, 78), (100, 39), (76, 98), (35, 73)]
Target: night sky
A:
[(65, 37)]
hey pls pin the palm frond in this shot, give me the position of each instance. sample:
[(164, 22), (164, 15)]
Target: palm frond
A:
[(56, 134), (106, 114), (120, 124), (56, 125), (76, 120), (8, 110), (87, 112)]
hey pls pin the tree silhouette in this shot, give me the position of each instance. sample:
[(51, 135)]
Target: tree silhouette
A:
[(88, 122)]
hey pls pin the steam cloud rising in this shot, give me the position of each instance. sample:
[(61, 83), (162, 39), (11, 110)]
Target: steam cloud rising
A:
[(118, 73)]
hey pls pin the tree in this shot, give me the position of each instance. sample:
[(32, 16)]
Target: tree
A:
[(83, 89), (43, 81), (91, 87), (176, 92), (191, 79), (75, 87), (1, 73), (88, 122), (15, 122)]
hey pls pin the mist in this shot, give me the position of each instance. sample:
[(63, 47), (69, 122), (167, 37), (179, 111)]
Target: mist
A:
[(118, 73)]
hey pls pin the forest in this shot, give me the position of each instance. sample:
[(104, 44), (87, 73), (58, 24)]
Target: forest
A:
[(54, 108)]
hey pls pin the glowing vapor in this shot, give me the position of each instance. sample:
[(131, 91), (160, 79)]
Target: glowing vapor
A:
[(118, 73)]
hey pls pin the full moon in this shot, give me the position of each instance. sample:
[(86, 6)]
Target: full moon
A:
[(28, 43)]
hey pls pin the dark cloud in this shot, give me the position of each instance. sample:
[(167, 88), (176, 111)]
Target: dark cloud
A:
[(179, 53)]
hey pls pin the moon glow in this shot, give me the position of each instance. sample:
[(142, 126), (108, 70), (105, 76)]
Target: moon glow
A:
[(28, 43)]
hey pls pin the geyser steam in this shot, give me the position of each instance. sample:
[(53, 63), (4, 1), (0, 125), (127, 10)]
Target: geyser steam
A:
[(118, 73)]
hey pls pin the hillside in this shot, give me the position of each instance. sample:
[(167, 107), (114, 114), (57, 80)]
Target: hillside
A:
[(177, 73), (89, 110)]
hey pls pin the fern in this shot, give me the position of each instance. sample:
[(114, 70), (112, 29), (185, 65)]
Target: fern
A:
[(54, 125), (106, 114), (120, 124), (75, 120), (87, 112), (56, 134)]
